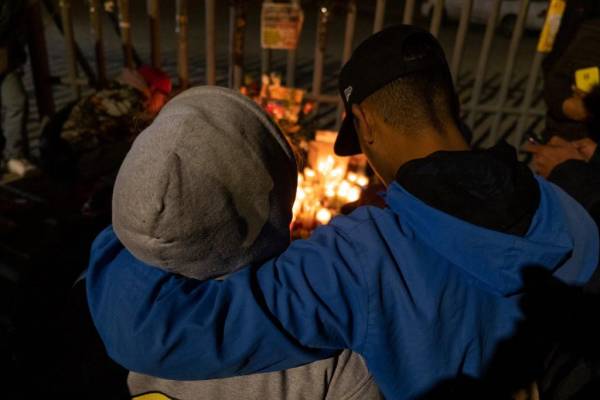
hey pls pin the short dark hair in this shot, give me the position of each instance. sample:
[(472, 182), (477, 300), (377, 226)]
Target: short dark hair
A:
[(592, 105), (423, 98), (592, 102)]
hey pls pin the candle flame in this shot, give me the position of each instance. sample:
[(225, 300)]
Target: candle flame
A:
[(323, 216), (362, 181), (323, 190)]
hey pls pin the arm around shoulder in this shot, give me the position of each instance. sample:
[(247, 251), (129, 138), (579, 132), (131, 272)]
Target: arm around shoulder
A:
[(300, 307)]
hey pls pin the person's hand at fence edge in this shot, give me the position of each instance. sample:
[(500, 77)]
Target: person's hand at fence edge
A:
[(549, 156), (574, 107), (587, 148)]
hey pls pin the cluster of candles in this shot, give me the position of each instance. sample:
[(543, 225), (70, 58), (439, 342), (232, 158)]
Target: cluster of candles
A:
[(323, 191), (330, 181)]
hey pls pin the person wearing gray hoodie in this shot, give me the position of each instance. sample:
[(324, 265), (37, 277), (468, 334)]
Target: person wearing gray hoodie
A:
[(215, 175)]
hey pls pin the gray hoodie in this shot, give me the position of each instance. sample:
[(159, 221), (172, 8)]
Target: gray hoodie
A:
[(205, 190)]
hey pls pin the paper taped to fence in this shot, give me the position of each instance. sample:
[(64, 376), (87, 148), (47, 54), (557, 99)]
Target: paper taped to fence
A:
[(281, 25), (551, 26), (587, 78)]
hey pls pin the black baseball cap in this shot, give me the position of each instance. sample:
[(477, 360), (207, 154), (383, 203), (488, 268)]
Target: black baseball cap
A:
[(377, 61)]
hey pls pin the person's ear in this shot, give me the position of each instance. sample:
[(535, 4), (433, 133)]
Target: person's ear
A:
[(362, 124)]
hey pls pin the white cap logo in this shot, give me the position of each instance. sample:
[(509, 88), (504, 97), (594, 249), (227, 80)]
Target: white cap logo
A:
[(348, 93)]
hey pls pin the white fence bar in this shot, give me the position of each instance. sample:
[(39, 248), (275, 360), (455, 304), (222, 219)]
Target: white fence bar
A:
[(181, 23), (96, 13), (461, 35), (237, 31), (488, 108), (232, 66), (409, 12), (347, 51), (67, 22), (266, 55), (379, 16), (154, 26), (290, 74), (290, 71), (211, 54), (482, 64), (320, 45), (534, 73), (436, 19), (510, 64), (349, 32), (323, 98), (125, 29)]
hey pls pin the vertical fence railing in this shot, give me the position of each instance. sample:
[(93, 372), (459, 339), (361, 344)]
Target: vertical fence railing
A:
[(38, 53), (320, 45), (67, 22), (237, 30), (436, 19), (379, 16), (265, 61), (233, 6), (125, 29), (154, 26), (409, 12), (211, 43), (347, 50), (96, 13), (510, 64), (482, 64), (81, 60), (461, 35), (532, 80), (181, 24), (349, 31), (290, 74)]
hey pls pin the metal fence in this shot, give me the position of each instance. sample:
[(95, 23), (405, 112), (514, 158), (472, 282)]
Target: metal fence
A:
[(505, 106)]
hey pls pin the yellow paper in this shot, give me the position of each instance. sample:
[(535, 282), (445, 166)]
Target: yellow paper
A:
[(151, 396), (551, 26), (587, 78), (281, 25)]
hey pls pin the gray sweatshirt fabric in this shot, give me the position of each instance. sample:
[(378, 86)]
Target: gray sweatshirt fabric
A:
[(206, 189), (344, 377)]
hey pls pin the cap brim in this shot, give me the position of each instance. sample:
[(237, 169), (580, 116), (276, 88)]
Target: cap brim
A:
[(346, 143)]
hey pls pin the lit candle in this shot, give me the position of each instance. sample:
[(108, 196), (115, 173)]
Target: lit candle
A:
[(353, 194), (323, 216), (336, 173), (300, 194), (344, 189), (362, 181)]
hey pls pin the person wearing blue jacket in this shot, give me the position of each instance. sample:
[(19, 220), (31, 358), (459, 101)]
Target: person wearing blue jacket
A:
[(426, 290)]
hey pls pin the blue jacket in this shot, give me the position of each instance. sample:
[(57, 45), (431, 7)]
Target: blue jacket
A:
[(422, 295)]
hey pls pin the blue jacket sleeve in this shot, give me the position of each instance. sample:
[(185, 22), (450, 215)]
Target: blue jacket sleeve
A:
[(303, 306)]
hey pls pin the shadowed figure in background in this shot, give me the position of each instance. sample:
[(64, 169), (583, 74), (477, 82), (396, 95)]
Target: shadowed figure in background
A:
[(14, 145), (575, 47)]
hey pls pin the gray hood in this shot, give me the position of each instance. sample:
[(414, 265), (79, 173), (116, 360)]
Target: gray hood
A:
[(207, 188)]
